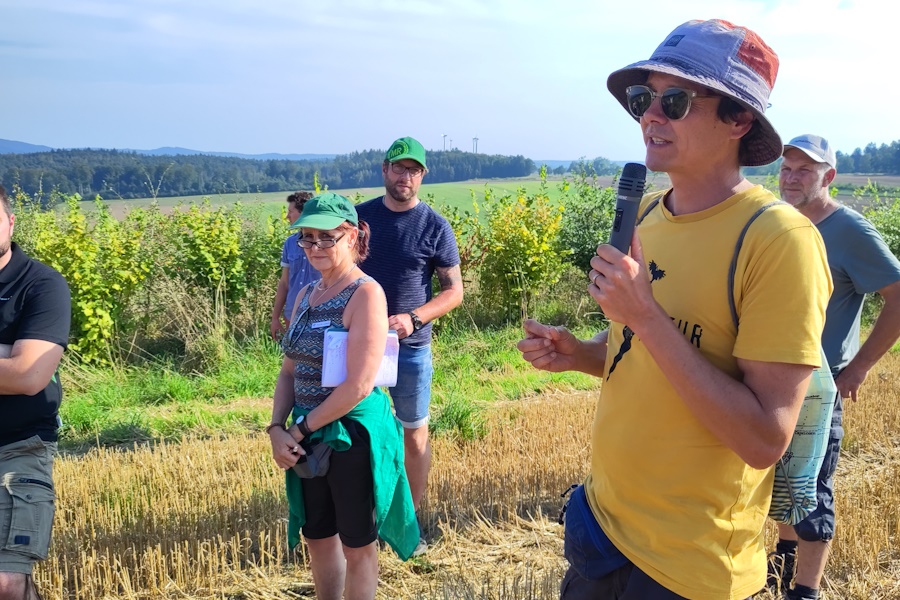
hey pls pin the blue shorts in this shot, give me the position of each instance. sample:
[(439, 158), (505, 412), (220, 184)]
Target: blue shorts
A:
[(412, 394), (818, 526)]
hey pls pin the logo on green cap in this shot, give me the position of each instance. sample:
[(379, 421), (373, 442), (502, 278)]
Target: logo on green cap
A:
[(406, 147), (398, 149)]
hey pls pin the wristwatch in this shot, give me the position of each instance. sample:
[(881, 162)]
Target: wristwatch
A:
[(303, 426), (416, 321)]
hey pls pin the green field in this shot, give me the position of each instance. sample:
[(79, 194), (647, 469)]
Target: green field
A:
[(459, 193), (454, 194)]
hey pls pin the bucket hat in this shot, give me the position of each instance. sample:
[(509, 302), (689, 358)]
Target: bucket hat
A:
[(728, 59)]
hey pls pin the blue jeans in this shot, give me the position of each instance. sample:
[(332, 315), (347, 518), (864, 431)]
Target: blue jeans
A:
[(412, 394)]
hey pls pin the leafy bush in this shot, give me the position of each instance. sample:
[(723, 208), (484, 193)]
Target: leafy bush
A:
[(523, 252), (885, 216), (149, 276), (100, 259), (588, 217)]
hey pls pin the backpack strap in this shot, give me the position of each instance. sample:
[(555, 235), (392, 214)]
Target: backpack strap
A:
[(648, 210), (734, 258), (737, 248)]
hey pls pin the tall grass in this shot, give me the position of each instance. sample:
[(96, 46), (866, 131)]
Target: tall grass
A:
[(157, 401)]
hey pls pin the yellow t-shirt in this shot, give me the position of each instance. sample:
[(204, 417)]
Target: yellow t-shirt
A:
[(679, 504)]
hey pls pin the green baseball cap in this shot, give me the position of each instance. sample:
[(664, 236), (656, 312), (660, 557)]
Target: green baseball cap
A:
[(326, 211), (406, 147)]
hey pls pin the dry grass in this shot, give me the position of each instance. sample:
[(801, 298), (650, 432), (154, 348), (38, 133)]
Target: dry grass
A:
[(205, 519)]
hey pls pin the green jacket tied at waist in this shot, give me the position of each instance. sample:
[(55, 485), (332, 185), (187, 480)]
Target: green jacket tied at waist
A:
[(395, 516)]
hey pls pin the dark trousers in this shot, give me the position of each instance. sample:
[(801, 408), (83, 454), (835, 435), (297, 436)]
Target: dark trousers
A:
[(625, 583)]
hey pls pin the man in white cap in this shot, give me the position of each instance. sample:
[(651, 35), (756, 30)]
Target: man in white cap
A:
[(860, 263), (703, 380)]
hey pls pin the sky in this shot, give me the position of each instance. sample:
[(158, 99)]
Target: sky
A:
[(337, 76)]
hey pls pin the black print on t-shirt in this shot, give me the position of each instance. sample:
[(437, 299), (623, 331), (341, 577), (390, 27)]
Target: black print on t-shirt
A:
[(655, 275)]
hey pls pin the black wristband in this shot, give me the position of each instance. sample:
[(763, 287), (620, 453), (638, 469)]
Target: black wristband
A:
[(303, 426)]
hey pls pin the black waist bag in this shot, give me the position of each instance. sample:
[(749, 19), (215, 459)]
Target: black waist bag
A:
[(316, 461)]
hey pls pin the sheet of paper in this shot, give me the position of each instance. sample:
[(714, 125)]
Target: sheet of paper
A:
[(334, 359)]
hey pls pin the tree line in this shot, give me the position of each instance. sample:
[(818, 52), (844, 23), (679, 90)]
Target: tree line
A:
[(884, 159), (126, 175), (871, 160)]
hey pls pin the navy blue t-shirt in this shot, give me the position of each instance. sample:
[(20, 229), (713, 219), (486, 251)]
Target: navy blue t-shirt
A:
[(34, 305), (405, 249)]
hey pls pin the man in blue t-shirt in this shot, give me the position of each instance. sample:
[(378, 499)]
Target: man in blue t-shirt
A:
[(411, 243), (35, 313), (296, 271), (860, 263)]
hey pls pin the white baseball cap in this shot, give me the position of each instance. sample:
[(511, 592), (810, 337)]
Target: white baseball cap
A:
[(815, 147)]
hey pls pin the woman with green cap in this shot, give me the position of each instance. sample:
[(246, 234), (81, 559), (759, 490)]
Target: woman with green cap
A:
[(363, 493)]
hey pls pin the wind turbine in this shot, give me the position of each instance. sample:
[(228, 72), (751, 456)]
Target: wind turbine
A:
[(475, 145), (445, 141)]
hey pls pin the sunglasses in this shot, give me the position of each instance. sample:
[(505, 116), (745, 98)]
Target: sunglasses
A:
[(295, 330), (321, 243), (675, 102)]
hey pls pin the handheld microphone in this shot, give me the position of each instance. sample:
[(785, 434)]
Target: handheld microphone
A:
[(628, 200)]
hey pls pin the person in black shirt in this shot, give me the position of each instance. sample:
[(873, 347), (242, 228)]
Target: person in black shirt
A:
[(35, 313)]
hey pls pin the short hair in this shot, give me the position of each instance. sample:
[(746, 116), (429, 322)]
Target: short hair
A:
[(298, 199), (728, 111), (4, 201)]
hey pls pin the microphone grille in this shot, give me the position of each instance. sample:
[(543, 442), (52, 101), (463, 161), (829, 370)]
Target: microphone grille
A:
[(633, 178)]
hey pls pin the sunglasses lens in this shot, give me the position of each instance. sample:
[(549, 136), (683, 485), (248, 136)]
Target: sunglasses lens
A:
[(639, 99), (675, 103)]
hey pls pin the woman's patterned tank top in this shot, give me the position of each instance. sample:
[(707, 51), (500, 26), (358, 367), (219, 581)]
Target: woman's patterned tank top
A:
[(304, 339)]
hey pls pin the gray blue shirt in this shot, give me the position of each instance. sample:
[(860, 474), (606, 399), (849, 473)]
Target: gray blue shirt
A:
[(861, 263)]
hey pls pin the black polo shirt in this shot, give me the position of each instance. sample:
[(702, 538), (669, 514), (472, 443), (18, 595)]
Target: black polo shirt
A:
[(34, 305)]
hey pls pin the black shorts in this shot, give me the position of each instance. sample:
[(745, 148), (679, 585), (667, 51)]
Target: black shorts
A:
[(343, 501)]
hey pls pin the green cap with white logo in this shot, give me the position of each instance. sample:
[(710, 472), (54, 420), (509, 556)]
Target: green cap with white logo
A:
[(406, 147)]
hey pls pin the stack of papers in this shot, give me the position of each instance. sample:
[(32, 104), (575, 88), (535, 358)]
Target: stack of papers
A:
[(334, 359)]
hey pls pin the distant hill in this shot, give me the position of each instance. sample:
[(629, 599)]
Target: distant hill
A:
[(552, 164), (175, 151), (13, 147)]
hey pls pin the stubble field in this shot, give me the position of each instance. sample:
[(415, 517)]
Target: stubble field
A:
[(206, 518)]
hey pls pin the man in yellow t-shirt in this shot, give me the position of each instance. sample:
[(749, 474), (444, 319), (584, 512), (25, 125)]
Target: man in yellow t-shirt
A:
[(694, 409)]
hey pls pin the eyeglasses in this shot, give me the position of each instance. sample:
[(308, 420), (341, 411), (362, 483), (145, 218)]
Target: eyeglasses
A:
[(675, 102), (295, 329), (323, 243), (399, 169)]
